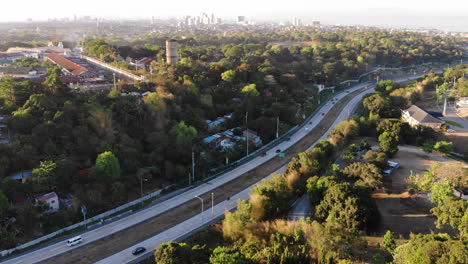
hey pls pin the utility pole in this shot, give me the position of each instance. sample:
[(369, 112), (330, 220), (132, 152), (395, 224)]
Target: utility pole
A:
[(115, 85), (246, 131), (201, 200), (193, 165), (444, 113), (212, 204), (277, 127)]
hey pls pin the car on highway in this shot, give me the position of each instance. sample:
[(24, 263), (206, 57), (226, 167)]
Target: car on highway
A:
[(323, 114), (450, 130), (288, 138), (264, 154), (278, 150), (74, 240), (138, 250)]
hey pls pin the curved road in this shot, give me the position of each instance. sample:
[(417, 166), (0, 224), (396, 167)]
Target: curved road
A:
[(58, 248)]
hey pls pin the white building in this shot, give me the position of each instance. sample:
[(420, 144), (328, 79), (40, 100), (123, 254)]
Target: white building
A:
[(52, 200)]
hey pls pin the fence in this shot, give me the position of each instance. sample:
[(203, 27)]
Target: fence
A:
[(85, 222)]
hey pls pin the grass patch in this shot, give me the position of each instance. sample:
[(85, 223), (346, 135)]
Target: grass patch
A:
[(453, 123)]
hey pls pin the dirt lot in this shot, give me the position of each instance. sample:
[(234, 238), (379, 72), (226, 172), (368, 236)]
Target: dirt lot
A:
[(100, 249), (403, 213)]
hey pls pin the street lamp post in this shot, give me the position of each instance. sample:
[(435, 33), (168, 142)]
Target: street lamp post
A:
[(212, 204), (141, 184), (202, 209)]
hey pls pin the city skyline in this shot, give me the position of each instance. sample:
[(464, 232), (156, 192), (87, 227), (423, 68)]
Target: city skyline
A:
[(395, 13)]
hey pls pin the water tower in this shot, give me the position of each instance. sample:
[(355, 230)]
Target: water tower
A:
[(172, 57)]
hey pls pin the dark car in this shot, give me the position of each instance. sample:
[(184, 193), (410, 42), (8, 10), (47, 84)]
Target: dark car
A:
[(323, 113), (138, 250), (278, 150), (264, 154), (288, 138)]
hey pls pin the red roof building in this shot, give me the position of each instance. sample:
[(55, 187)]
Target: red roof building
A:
[(67, 64)]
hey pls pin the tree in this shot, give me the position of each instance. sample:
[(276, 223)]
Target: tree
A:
[(453, 212), (431, 248), (444, 146), (183, 133), (364, 145), (3, 204), (107, 164), (389, 241), (45, 174), (440, 191), (377, 158), (250, 90), (173, 253), (228, 76), (386, 86), (53, 80), (351, 153), (368, 174), (225, 255), (376, 103), (388, 143)]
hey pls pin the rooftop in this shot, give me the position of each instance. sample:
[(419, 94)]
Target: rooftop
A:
[(69, 65), (422, 116)]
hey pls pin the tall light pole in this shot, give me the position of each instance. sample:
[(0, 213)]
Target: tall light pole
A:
[(141, 184), (277, 127), (193, 165), (115, 85), (202, 209), (247, 132), (212, 204)]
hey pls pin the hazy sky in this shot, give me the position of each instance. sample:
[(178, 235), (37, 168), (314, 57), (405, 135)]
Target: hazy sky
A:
[(452, 13)]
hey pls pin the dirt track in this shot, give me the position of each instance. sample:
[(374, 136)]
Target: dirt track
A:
[(100, 249)]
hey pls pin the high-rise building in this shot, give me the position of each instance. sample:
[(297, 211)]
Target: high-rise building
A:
[(172, 56), (241, 19)]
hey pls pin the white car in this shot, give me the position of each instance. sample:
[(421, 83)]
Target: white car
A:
[(450, 130)]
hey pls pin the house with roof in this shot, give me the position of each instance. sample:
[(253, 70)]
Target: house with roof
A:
[(462, 103), (69, 67), (218, 121), (52, 200), (253, 137), (225, 139), (416, 116)]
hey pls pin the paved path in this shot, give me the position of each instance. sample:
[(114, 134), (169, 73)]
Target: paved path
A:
[(301, 209)]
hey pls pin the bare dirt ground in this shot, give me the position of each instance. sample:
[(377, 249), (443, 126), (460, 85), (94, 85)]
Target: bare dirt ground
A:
[(102, 248), (401, 212)]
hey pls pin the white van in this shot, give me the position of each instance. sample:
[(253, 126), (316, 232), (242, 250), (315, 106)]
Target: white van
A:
[(73, 241)]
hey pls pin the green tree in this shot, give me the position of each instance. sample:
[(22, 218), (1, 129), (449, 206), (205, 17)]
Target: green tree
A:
[(444, 146), (173, 253), (53, 80), (440, 191), (368, 174), (225, 255), (250, 90), (388, 143), (376, 103), (183, 132), (453, 212), (4, 205), (45, 174), (228, 76), (107, 164), (389, 241)]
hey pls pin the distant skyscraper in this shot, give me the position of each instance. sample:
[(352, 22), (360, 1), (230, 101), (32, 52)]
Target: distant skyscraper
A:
[(241, 19)]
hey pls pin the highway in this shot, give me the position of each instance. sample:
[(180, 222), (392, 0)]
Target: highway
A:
[(60, 247), (201, 220), (108, 229)]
